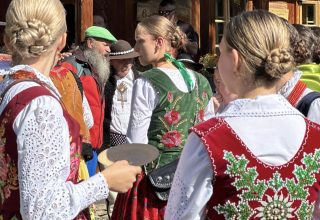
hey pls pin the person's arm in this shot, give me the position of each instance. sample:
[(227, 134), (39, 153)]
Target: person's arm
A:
[(192, 184), (44, 166), (314, 111), (87, 114), (144, 101)]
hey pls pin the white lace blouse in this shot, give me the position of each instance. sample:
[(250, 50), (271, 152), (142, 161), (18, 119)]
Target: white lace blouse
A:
[(44, 158), (251, 119)]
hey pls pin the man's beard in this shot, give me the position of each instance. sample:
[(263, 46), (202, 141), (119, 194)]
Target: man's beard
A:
[(100, 64)]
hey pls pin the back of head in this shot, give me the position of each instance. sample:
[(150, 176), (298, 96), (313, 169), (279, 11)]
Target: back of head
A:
[(164, 3), (159, 26), (33, 26), (316, 51), (262, 40), (303, 48)]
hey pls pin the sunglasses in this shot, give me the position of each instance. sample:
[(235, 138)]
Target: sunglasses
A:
[(165, 12)]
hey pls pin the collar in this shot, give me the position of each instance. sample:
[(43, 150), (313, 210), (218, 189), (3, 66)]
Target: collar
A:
[(79, 55), (288, 86), (39, 75), (261, 106), (129, 76)]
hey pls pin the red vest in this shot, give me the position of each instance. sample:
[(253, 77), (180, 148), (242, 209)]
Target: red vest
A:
[(94, 96), (9, 191), (97, 104), (246, 188)]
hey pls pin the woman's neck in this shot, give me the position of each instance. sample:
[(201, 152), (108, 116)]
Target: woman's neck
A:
[(258, 91), (43, 64)]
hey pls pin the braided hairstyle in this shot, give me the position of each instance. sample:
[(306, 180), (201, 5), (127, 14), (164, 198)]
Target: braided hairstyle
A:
[(262, 41), (33, 26)]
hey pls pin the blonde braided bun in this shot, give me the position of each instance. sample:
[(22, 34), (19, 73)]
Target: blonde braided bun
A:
[(30, 38), (159, 26), (262, 40), (278, 62), (33, 26)]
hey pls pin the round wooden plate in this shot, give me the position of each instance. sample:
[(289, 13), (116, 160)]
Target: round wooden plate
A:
[(135, 154)]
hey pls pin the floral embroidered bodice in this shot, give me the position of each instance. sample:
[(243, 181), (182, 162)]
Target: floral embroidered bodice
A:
[(175, 113), (246, 188)]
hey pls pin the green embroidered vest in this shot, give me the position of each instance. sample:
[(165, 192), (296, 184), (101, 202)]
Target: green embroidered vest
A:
[(174, 114)]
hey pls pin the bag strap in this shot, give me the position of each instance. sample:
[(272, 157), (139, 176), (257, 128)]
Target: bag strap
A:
[(304, 104)]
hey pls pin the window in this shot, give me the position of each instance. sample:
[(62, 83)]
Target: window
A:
[(309, 14), (224, 9)]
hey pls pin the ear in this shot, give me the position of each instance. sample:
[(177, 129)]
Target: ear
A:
[(62, 42), (160, 41), (236, 61), (90, 43)]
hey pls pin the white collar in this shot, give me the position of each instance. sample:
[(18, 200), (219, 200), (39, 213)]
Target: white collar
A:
[(129, 76), (288, 86), (261, 106)]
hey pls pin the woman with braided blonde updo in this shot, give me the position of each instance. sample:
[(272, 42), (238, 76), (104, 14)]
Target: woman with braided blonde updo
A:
[(167, 100), (259, 157), (40, 143)]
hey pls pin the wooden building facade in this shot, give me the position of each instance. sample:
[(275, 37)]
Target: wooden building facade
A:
[(208, 17)]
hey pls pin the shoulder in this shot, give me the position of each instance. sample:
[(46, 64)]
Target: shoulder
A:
[(207, 127)]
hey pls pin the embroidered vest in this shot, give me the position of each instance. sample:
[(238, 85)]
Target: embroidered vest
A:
[(71, 98), (175, 113), (246, 188), (9, 191)]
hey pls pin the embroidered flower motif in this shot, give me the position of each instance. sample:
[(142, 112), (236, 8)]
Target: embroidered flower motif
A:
[(204, 95), (170, 97), (172, 117), (171, 139), (201, 115), (277, 207)]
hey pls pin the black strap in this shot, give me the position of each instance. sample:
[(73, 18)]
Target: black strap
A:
[(304, 104)]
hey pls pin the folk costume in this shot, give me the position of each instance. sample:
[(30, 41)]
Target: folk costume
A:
[(165, 105), (40, 148), (118, 95), (229, 169)]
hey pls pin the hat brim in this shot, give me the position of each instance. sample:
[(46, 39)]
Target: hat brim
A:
[(130, 55), (195, 66)]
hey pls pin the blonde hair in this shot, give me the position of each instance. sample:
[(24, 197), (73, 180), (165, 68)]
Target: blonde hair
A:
[(159, 26), (33, 26), (262, 40)]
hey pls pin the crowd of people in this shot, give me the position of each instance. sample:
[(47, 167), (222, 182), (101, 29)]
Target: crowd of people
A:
[(247, 150)]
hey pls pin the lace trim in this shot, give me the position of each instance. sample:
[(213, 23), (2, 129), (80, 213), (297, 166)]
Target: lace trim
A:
[(288, 86), (182, 190), (137, 118), (240, 108)]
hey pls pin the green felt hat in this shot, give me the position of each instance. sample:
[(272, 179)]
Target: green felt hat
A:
[(99, 32)]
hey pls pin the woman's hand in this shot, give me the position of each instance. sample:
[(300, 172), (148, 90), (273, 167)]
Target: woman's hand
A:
[(120, 176)]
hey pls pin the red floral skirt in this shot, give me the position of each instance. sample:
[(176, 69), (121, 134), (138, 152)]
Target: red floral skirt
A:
[(139, 203)]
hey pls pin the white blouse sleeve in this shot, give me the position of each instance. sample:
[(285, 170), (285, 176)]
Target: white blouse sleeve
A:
[(87, 114), (144, 101), (314, 111), (192, 184), (209, 110), (44, 165)]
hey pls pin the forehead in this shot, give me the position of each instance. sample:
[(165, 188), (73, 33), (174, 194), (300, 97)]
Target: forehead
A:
[(141, 32)]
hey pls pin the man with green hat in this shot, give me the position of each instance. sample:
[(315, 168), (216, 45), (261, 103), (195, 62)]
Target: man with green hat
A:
[(90, 63)]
